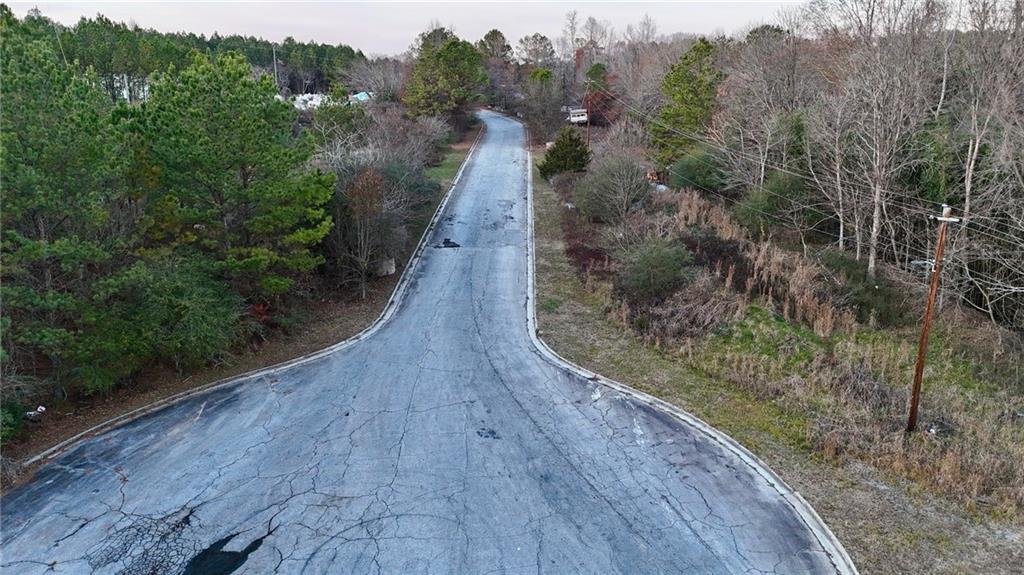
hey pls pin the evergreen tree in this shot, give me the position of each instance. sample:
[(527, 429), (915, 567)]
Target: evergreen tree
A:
[(495, 46), (233, 179), (61, 163), (568, 154), (444, 79), (536, 49), (597, 75), (690, 88)]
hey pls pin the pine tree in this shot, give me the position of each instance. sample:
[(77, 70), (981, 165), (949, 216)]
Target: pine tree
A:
[(444, 78), (690, 88), (568, 154), (233, 178), (61, 162)]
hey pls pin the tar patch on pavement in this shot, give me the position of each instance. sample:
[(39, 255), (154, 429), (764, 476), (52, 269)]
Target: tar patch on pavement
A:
[(488, 433)]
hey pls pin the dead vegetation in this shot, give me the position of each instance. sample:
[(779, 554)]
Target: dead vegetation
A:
[(785, 327), (692, 312), (824, 412)]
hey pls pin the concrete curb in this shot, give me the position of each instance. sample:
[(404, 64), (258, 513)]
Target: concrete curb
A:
[(389, 310), (828, 541)]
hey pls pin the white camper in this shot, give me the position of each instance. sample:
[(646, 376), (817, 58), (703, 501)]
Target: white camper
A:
[(577, 116)]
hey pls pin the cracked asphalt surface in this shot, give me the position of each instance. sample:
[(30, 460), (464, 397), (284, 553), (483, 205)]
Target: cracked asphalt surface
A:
[(442, 443)]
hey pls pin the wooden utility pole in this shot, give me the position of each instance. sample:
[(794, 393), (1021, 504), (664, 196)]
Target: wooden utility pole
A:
[(586, 106), (933, 290)]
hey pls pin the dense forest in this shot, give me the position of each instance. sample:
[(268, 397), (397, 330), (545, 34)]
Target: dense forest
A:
[(163, 204), (124, 56)]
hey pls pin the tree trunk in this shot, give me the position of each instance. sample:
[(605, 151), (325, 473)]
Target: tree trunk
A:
[(876, 229)]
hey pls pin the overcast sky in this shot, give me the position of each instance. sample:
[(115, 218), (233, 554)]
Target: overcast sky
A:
[(389, 28)]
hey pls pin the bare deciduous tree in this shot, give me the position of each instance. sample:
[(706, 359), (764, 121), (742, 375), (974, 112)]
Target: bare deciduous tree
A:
[(381, 76), (378, 163)]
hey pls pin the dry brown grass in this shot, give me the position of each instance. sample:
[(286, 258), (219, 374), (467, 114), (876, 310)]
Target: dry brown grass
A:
[(791, 284), (797, 288), (804, 349), (972, 444), (690, 313), (854, 391), (691, 210)]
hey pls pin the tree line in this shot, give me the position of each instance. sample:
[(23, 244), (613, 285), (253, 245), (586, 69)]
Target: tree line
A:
[(171, 229), (123, 56), (846, 122), (854, 121)]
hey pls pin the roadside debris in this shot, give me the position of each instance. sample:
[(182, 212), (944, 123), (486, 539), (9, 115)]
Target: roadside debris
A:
[(36, 415)]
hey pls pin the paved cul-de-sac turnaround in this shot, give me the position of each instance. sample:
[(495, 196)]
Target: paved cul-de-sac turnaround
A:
[(446, 441)]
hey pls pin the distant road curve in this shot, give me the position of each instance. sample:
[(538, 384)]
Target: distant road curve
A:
[(447, 440)]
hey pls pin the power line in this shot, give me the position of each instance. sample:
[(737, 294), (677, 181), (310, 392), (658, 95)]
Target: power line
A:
[(870, 199), (889, 201), (909, 249)]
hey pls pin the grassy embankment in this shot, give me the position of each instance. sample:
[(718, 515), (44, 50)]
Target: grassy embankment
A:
[(889, 522)]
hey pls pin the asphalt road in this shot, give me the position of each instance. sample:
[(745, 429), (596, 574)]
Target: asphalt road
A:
[(445, 442)]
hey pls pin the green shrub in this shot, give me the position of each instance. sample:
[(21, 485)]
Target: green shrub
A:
[(781, 201), (598, 76), (10, 419), (873, 298), (756, 211), (614, 188), (550, 305), (568, 154), (653, 270), (698, 168), (173, 311), (412, 179), (289, 319)]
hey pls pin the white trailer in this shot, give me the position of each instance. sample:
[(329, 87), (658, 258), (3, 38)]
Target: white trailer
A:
[(577, 116)]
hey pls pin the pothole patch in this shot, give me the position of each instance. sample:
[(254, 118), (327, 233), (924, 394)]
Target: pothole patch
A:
[(488, 433)]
